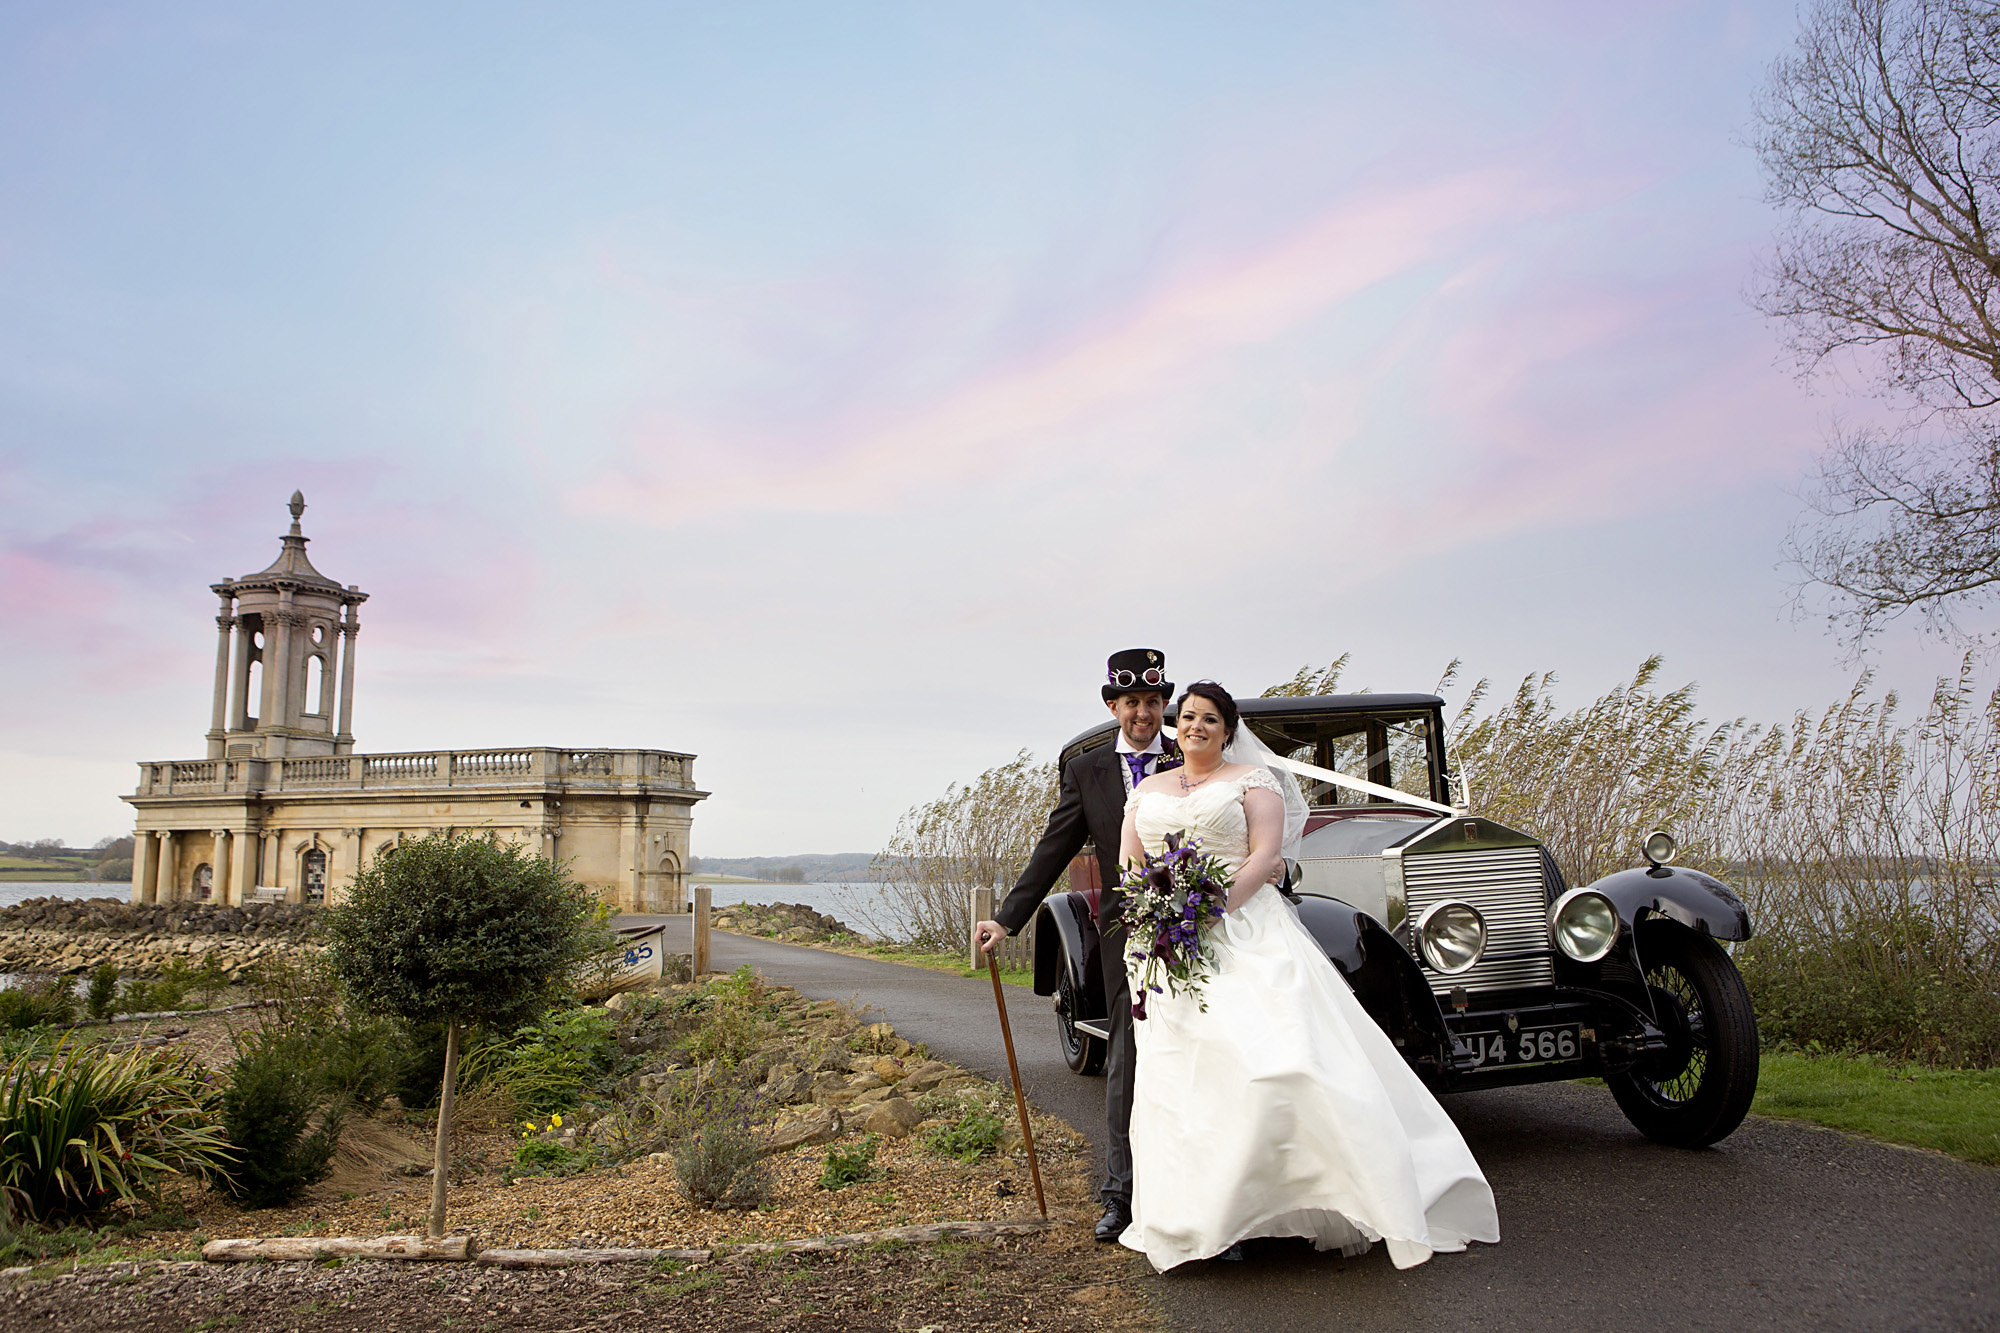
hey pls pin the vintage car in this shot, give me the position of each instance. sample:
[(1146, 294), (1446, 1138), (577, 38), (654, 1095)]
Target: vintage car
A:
[(1460, 937)]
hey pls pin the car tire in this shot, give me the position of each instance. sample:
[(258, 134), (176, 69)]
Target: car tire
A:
[(1082, 1052), (1700, 1093)]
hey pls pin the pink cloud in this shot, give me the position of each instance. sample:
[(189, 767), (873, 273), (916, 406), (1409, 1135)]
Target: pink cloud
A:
[(1015, 412)]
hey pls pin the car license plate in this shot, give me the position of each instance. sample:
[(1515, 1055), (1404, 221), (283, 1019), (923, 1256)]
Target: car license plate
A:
[(1529, 1046)]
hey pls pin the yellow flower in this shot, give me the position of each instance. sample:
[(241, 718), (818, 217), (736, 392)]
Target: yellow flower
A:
[(529, 1125), (555, 1122)]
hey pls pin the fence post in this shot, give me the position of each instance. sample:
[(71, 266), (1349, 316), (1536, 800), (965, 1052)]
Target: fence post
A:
[(702, 895), (981, 906)]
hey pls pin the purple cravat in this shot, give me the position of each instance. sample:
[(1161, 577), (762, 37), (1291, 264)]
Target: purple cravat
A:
[(1137, 763)]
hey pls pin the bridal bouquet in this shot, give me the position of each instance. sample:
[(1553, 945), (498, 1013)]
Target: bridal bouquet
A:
[(1169, 899)]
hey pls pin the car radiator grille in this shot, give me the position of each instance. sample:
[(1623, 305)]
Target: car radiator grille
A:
[(1506, 886)]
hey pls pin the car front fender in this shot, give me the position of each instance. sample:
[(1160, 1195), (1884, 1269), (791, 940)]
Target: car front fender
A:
[(1700, 902), (1066, 941)]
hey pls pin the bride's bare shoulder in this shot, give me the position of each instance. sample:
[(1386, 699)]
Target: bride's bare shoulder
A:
[(1167, 781)]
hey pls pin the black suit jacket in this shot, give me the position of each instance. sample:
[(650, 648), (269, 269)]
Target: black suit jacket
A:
[(1089, 807)]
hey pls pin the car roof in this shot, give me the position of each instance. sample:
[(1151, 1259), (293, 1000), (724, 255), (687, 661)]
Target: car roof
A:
[(1308, 705)]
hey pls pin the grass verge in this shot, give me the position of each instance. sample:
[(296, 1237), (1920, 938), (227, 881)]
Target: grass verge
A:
[(1954, 1111)]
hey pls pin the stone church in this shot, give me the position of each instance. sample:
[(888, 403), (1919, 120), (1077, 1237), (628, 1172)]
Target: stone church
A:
[(282, 808)]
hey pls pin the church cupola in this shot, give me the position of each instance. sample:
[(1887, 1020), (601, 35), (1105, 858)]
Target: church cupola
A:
[(284, 658)]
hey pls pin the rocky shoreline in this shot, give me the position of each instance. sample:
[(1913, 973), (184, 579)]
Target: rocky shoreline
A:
[(781, 921), (74, 935)]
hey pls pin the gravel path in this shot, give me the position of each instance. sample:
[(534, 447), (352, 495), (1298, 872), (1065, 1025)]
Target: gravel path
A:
[(1783, 1225)]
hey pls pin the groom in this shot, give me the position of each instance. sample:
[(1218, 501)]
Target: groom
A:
[(1091, 807)]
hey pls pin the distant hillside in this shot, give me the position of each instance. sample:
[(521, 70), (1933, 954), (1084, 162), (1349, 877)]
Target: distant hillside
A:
[(812, 867)]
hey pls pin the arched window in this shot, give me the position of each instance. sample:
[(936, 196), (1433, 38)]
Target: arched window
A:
[(253, 692), (313, 863), (204, 882), (316, 684)]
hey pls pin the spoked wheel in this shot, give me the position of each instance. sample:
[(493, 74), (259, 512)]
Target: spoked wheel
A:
[(1083, 1052), (1697, 1091)]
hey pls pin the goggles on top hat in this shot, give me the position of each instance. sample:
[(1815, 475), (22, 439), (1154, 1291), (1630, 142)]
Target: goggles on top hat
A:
[(1125, 680)]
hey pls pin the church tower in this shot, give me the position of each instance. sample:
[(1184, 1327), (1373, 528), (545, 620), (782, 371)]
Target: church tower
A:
[(284, 809), (286, 639)]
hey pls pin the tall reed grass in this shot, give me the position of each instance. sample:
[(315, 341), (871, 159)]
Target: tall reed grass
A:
[(1866, 845)]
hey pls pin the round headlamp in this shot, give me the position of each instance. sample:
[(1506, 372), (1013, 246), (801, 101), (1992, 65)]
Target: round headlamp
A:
[(1658, 848), (1452, 936), (1585, 924)]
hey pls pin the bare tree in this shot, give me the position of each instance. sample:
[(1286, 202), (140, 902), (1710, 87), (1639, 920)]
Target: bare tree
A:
[(1880, 136)]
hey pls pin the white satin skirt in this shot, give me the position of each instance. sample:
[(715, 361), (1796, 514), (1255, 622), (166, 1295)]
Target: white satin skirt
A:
[(1285, 1111)]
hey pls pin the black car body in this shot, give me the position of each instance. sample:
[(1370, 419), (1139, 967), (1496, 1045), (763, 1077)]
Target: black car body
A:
[(1622, 979)]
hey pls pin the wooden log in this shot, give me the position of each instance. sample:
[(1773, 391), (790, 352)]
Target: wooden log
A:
[(294, 1248), (910, 1235), (572, 1258)]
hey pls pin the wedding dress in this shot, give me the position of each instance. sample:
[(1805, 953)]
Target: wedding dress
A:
[(1283, 1110)]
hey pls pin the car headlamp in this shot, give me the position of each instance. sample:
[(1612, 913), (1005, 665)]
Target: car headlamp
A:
[(1452, 936), (1658, 848), (1585, 924)]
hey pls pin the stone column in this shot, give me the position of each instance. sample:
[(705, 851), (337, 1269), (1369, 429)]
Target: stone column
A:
[(169, 885), (225, 621), (239, 687), (144, 866), (631, 850), (222, 867), (242, 853), (279, 668), (350, 630)]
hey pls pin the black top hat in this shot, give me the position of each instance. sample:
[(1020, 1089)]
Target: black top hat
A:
[(1136, 671)]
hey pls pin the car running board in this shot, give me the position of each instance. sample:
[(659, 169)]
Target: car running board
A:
[(1092, 1030)]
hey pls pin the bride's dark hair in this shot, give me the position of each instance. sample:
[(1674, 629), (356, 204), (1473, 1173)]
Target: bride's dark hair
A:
[(1218, 696)]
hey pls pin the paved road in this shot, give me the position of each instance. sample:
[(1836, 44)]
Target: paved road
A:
[(1781, 1226)]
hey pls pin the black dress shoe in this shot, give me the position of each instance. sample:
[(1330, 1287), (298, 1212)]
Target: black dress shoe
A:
[(1117, 1216)]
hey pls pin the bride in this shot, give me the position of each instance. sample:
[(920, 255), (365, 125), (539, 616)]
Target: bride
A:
[(1283, 1110)]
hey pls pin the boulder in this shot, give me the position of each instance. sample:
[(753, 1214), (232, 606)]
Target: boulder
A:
[(892, 1119), (888, 1069), (791, 1089), (815, 1125), (926, 1076)]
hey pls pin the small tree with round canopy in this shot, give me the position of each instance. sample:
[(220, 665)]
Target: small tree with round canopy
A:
[(460, 930)]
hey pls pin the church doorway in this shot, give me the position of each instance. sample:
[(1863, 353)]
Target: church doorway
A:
[(314, 865)]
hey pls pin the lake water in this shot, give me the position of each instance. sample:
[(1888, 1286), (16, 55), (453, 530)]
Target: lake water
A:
[(20, 891), (853, 904)]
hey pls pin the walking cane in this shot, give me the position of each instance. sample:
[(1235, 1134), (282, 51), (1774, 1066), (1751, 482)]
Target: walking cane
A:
[(1014, 1072)]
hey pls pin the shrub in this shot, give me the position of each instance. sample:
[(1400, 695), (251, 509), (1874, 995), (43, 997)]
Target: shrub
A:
[(79, 1127), (102, 999), (975, 1133), (546, 1065), (42, 1002), (718, 1154), (275, 1091), (732, 1018), (847, 1166)]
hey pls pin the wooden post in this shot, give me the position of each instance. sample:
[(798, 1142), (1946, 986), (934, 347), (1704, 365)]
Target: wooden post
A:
[(981, 906), (702, 896), (442, 1163)]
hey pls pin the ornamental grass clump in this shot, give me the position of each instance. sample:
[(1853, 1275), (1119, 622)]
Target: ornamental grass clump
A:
[(80, 1128)]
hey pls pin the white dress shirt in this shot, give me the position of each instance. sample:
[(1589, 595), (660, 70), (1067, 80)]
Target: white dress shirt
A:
[(1152, 753)]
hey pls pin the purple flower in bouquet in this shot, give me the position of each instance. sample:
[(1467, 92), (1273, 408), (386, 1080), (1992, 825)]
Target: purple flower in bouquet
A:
[(1170, 899)]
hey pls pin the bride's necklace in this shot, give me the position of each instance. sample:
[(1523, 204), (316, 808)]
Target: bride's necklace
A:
[(1187, 786)]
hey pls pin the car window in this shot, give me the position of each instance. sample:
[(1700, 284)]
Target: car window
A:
[(1388, 750)]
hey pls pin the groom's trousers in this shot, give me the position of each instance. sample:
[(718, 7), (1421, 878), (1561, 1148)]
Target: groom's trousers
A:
[(1118, 1063)]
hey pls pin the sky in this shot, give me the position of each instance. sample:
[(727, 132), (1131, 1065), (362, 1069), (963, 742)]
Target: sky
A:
[(827, 390)]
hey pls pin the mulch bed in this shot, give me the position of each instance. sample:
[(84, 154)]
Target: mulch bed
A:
[(1057, 1280)]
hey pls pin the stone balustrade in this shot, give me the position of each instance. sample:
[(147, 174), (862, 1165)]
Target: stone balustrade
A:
[(419, 770)]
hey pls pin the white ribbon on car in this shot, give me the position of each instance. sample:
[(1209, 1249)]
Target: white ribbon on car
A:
[(1352, 784), (1370, 788)]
